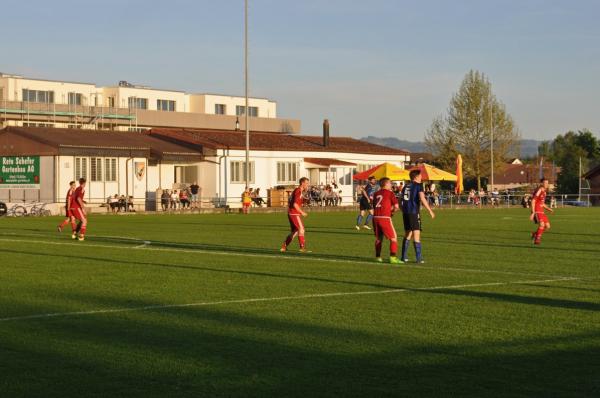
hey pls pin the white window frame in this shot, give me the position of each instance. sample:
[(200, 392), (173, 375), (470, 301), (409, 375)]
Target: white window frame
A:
[(288, 172), (237, 172), (171, 105), (96, 169), (81, 168), (221, 106), (110, 169)]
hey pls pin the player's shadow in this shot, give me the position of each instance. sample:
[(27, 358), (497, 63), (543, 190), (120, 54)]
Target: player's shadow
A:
[(488, 243), (248, 351), (76, 257), (519, 299)]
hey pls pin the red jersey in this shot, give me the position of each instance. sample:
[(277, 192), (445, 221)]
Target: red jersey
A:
[(384, 203), (540, 199), (69, 198), (79, 193), (295, 198)]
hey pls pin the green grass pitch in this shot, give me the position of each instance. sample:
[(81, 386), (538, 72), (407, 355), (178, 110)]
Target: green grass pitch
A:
[(205, 305)]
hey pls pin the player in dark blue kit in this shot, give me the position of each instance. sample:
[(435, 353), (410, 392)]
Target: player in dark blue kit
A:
[(366, 203), (412, 198)]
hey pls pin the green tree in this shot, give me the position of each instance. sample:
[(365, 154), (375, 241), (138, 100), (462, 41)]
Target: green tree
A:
[(566, 150), (473, 113)]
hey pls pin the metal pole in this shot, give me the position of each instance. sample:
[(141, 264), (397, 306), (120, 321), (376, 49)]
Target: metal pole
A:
[(246, 92), (579, 178), (491, 141)]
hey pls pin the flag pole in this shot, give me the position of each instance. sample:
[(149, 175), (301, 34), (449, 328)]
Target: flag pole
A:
[(246, 109)]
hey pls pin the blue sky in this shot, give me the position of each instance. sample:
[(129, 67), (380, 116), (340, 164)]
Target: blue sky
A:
[(377, 67)]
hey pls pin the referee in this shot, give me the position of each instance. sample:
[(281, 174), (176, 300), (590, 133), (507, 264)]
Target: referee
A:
[(412, 198)]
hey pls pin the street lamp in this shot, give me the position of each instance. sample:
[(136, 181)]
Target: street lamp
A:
[(237, 124)]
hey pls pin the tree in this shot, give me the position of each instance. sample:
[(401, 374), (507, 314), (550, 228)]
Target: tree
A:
[(473, 113), (566, 150)]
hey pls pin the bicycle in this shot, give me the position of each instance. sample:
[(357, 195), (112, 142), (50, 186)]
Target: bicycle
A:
[(39, 210), (16, 210)]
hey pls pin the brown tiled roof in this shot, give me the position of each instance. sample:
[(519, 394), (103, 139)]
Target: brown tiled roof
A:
[(102, 139), (592, 172), (328, 162), (524, 174), (220, 139)]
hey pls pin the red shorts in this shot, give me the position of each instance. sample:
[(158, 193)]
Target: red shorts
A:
[(541, 217), (246, 204), (69, 213), (384, 227), (78, 214), (296, 223)]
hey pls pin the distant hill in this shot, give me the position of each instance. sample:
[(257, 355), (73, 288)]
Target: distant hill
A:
[(528, 147)]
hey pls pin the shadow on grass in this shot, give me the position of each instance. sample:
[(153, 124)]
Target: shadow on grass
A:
[(75, 258), (204, 351)]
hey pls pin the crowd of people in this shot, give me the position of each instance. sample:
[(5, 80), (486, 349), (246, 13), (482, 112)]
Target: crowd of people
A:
[(185, 198), (120, 203)]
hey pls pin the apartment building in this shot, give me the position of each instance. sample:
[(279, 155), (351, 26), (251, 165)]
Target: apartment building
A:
[(127, 107)]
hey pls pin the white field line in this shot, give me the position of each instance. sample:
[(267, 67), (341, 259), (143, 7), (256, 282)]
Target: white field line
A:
[(267, 299), (147, 245)]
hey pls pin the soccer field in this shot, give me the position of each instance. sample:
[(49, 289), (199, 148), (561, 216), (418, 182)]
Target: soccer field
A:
[(205, 305)]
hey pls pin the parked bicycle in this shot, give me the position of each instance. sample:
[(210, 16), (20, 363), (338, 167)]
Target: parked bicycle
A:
[(15, 210)]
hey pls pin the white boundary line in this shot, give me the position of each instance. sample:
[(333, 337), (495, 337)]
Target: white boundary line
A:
[(267, 299), (146, 245)]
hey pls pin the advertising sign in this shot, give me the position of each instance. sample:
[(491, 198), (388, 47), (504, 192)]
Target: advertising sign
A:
[(19, 172)]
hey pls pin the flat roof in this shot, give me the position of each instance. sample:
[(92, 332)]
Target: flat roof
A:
[(13, 76)]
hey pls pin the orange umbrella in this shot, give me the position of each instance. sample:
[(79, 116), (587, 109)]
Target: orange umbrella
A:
[(432, 173), (459, 176)]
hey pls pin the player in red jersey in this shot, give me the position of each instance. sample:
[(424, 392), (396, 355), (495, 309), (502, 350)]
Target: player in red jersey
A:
[(538, 205), (385, 204), (70, 218), (295, 214), (77, 207)]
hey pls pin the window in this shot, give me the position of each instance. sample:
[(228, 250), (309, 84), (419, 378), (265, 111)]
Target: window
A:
[(240, 110), (75, 98), (110, 102), (287, 172), (186, 174), (238, 172), (165, 105), (138, 103), (80, 168), (96, 169), (365, 166), (38, 96), (220, 109), (110, 169)]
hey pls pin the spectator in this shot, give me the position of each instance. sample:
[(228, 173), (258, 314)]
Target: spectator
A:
[(246, 200), (130, 206), (122, 203), (174, 202), (256, 198), (113, 202), (184, 199), (194, 189), (164, 200)]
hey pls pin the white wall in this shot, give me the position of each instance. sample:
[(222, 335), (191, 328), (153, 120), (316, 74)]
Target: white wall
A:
[(265, 164), (122, 94), (266, 108), (13, 89)]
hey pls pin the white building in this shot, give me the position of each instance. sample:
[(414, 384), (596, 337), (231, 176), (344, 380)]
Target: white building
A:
[(48, 103), (141, 164)]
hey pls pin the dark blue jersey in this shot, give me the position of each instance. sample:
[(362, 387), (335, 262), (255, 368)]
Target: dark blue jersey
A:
[(370, 190), (411, 202)]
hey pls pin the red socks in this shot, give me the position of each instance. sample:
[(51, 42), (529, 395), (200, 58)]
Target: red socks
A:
[(301, 240), (289, 240)]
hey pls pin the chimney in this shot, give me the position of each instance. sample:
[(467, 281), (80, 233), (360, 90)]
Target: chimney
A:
[(326, 133)]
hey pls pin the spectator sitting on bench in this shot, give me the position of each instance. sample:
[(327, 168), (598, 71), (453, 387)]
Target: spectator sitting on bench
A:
[(183, 199), (256, 198), (113, 203), (174, 199), (164, 200)]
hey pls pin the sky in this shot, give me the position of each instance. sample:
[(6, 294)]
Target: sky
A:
[(379, 67)]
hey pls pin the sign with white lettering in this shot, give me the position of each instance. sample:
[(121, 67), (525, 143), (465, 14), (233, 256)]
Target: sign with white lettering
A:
[(19, 172)]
